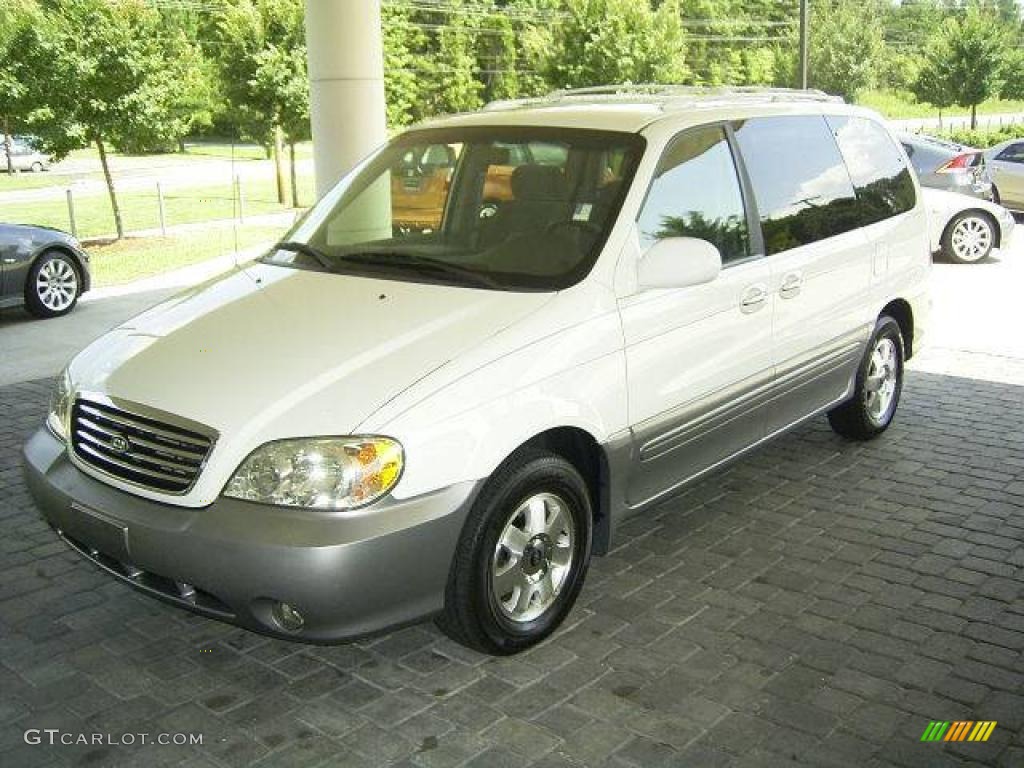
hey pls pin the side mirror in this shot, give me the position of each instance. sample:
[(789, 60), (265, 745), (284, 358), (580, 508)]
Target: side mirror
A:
[(678, 262)]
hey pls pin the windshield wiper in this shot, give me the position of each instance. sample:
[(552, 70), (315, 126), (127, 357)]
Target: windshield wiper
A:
[(402, 258), (305, 249)]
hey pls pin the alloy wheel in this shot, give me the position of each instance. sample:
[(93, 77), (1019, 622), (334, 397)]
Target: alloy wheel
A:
[(57, 285), (880, 384), (533, 557), (971, 239)]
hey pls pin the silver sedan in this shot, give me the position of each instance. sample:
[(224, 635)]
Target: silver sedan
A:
[(1006, 163)]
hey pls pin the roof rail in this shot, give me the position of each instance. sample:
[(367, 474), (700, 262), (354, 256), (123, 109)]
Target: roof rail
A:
[(666, 95)]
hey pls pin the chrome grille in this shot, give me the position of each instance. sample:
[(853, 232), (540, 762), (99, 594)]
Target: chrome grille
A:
[(141, 450)]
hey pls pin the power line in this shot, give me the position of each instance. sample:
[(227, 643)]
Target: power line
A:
[(430, 7)]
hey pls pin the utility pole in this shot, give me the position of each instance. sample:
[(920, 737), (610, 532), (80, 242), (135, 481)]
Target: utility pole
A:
[(803, 44)]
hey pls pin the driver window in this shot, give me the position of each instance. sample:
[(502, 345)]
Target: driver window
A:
[(696, 193)]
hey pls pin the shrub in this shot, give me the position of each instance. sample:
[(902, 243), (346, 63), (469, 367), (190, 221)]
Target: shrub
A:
[(984, 137)]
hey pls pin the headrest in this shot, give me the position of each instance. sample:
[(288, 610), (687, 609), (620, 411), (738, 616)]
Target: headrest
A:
[(498, 156), (539, 182)]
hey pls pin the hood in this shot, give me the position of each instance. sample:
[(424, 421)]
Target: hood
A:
[(35, 230), (270, 352)]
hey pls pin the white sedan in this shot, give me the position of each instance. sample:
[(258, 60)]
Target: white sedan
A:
[(965, 229)]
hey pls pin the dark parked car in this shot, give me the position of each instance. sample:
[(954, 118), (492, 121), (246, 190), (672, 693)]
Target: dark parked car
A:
[(946, 165), (44, 269)]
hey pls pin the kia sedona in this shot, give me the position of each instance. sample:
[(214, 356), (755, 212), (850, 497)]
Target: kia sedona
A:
[(392, 417)]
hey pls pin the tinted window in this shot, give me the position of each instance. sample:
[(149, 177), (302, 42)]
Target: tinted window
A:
[(880, 175), (801, 184), (696, 193), (1012, 154)]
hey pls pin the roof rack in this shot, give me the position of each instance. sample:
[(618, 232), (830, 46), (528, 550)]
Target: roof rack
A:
[(665, 95)]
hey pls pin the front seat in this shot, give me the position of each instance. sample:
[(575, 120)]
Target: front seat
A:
[(540, 197)]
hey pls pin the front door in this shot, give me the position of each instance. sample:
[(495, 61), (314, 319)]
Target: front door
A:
[(698, 359)]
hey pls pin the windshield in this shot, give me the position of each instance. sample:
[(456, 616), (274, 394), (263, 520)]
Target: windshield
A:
[(508, 208)]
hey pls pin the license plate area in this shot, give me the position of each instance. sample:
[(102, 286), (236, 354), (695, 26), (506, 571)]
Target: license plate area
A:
[(98, 531)]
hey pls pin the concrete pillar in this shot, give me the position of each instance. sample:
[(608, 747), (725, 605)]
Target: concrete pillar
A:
[(346, 82)]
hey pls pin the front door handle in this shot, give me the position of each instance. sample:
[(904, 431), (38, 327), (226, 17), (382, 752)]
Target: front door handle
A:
[(791, 285), (753, 298)]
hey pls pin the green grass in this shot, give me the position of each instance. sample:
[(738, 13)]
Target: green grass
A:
[(135, 258), (901, 104), (140, 209), (26, 180), (224, 150)]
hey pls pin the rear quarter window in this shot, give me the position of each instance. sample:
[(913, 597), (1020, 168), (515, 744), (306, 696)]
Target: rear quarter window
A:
[(801, 185), (879, 173)]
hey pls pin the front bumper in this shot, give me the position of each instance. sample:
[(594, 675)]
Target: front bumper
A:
[(349, 574), (1006, 226)]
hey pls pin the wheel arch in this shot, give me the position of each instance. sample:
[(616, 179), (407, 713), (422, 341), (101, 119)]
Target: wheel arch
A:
[(901, 311), (996, 230), (581, 449), (83, 272)]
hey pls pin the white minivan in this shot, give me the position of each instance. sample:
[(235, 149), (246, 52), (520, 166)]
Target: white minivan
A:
[(444, 411)]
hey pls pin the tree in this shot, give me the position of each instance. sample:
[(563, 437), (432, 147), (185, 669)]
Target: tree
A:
[(845, 45), (1013, 77), (14, 17), (450, 63), (615, 41), (197, 100), (931, 86), (96, 72), (262, 61), (964, 61), (402, 40)]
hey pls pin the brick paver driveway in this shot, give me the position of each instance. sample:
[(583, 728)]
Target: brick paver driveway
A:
[(818, 603)]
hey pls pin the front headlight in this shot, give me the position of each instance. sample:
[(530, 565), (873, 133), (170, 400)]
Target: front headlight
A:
[(319, 472), (59, 416)]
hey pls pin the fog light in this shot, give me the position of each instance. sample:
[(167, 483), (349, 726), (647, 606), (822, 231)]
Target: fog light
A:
[(288, 617)]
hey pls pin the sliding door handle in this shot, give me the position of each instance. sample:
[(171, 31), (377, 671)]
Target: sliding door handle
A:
[(791, 285), (753, 298)]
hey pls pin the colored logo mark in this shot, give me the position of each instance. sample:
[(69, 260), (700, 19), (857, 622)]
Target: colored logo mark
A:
[(959, 730)]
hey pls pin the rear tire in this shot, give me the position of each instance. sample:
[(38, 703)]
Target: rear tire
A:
[(53, 285), (522, 557), (876, 393)]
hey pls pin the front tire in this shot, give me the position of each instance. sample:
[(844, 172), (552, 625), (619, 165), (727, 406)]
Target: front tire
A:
[(522, 556), (53, 285), (37, 167), (876, 393), (969, 237)]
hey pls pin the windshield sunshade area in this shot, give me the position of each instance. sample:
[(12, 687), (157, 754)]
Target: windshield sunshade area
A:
[(506, 208)]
